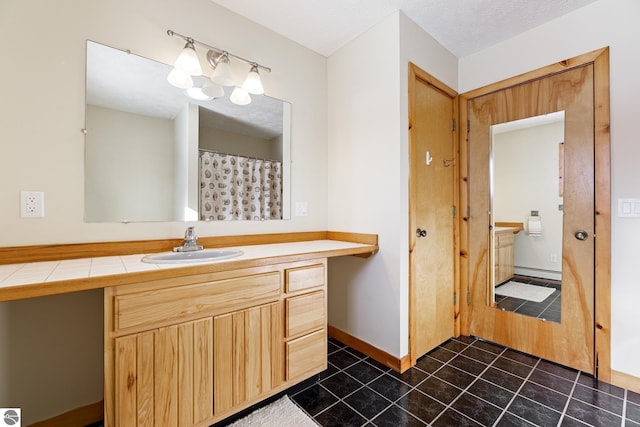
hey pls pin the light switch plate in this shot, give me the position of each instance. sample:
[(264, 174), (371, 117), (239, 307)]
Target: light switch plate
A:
[(629, 208), (301, 209)]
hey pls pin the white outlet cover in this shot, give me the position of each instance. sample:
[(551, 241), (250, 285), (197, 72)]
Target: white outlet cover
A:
[(31, 204)]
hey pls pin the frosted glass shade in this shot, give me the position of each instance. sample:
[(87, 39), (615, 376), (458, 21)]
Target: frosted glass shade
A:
[(253, 83), (212, 89), (239, 96), (198, 94), (222, 73), (180, 79), (188, 61)]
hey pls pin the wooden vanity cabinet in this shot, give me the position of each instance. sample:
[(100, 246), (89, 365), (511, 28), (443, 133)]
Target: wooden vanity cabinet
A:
[(192, 350), (504, 258)]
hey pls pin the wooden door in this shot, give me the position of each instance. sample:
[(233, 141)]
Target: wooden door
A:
[(570, 342), (432, 205)]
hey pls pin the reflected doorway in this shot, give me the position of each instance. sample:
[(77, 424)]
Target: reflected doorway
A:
[(526, 214)]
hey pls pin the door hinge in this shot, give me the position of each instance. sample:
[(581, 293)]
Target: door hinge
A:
[(453, 125), (468, 126), (468, 211), (468, 298), (455, 211), (455, 298)]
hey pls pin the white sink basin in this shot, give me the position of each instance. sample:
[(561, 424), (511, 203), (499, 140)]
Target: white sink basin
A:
[(206, 255)]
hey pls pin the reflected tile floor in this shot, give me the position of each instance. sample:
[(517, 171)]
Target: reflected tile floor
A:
[(463, 382), (549, 309)]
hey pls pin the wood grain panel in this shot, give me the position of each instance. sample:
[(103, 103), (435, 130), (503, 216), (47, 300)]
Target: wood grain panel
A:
[(149, 308), (165, 370), (145, 377), (297, 279), (238, 389), (186, 374), (202, 370), (125, 381), (222, 363), (307, 355), (276, 336), (253, 352), (305, 313)]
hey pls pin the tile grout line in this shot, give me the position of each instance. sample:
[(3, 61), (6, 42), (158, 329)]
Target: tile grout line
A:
[(624, 408), (341, 400), (516, 394), (477, 377), (566, 405)]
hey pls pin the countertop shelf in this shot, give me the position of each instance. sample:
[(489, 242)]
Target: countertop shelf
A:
[(56, 276)]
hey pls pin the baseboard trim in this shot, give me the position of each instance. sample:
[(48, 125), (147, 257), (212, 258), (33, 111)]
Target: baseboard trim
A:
[(398, 365), (620, 379), (78, 417)]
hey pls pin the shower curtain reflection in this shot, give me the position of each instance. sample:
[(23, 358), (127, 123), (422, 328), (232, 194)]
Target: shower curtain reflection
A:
[(239, 188)]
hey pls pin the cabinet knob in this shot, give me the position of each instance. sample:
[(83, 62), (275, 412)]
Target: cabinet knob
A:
[(421, 233)]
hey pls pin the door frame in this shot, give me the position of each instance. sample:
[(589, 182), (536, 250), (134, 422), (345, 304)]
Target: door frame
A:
[(417, 74), (602, 176)]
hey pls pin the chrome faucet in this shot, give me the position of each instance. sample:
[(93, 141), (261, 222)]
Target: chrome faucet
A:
[(190, 242)]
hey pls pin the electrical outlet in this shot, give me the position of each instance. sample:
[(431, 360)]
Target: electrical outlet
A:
[(31, 204)]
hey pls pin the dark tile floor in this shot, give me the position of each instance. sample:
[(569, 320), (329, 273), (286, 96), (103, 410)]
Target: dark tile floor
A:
[(463, 382), (549, 309)]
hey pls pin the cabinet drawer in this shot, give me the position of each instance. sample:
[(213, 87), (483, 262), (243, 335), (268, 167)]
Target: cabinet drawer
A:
[(152, 307), (307, 355), (305, 313), (304, 277)]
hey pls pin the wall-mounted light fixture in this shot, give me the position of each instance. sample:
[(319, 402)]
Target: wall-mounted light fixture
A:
[(187, 65)]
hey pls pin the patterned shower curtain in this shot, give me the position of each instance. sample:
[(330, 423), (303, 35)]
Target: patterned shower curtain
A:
[(237, 187)]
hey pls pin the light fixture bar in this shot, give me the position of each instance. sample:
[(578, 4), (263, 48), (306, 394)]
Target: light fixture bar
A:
[(215, 49)]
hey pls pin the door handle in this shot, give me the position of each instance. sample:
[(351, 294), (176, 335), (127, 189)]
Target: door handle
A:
[(581, 235), (421, 233)]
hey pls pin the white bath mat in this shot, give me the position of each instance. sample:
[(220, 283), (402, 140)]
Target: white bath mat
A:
[(524, 291), (281, 413)]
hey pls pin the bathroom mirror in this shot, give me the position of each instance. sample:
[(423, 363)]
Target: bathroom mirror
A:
[(144, 138), (526, 191)]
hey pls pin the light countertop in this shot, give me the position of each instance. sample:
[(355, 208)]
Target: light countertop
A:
[(50, 272)]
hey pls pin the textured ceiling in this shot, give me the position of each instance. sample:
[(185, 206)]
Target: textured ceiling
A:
[(462, 26)]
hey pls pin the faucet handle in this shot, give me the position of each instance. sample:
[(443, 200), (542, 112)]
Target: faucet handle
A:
[(189, 233)]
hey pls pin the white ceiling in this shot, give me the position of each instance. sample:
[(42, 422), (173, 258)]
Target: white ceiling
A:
[(461, 26)]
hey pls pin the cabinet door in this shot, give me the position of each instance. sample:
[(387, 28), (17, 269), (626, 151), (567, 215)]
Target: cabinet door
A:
[(248, 355), (504, 257), (164, 377)]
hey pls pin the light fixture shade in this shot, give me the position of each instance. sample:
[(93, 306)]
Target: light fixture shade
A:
[(222, 73), (239, 96), (197, 94), (253, 83), (188, 61), (212, 89), (180, 79)]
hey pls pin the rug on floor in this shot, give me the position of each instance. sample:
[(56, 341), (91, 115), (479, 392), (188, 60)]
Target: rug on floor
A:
[(281, 413), (524, 291)]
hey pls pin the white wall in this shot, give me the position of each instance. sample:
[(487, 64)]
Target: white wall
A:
[(235, 143), (42, 112), (368, 179), (136, 154), (612, 23), (43, 108)]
